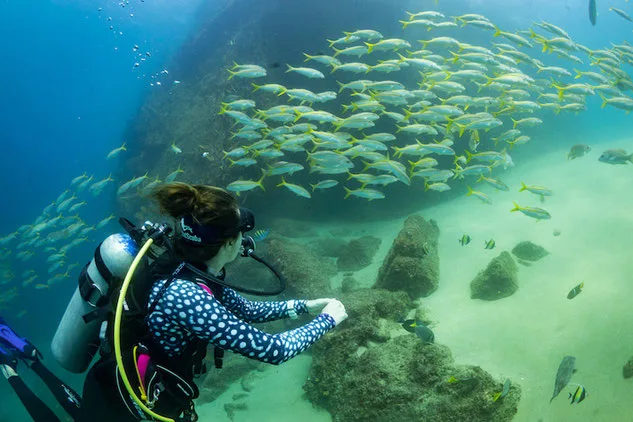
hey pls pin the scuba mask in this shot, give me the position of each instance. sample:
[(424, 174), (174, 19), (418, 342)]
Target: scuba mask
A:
[(201, 235)]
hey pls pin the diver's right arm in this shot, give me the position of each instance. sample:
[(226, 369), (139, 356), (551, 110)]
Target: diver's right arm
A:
[(194, 310)]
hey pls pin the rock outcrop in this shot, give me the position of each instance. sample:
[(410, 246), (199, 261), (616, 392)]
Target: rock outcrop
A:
[(529, 251), (358, 254), (412, 264), (497, 281), (373, 370)]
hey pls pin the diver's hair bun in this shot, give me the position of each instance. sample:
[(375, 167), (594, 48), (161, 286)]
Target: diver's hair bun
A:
[(206, 204)]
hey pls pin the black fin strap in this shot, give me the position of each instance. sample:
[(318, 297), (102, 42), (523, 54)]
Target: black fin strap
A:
[(218, 355)]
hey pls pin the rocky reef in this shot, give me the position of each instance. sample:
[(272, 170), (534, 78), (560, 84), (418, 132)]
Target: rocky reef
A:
[(307, 273), (234, 368), (529, 251), (412, 264), (497, 281), (358, 254), (381, 373)]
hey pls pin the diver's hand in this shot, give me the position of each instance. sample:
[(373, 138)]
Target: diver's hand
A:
[(315, 306), (336, 310)]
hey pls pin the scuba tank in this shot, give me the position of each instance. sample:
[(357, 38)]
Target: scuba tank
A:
[(76, 340)]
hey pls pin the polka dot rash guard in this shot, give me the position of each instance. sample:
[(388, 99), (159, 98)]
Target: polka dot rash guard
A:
[(186, 311)]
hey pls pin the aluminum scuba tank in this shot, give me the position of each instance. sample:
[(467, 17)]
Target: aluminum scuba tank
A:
[(77, 337)]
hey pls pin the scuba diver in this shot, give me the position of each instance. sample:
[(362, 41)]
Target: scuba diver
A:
[(13, 348), (166, 303)]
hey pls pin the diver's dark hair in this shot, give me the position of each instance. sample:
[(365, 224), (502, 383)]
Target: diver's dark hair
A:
[(208, 205)]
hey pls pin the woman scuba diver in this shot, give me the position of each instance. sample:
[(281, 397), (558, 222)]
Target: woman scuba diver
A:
[(189, 309)]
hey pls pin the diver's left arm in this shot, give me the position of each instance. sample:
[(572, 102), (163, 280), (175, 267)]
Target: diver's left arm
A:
[(261, 311)]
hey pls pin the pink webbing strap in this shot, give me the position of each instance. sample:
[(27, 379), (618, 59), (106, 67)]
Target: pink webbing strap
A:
[(142, 364), (206, 288)]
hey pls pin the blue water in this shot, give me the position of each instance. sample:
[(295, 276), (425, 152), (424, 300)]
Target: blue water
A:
[(69, 90)]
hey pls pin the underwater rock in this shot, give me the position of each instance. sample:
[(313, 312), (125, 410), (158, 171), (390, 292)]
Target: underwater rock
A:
[(412, 264), (307, 274), (231, 408), (293, 228), (239, 396), (497, 281), (349, 284), (627, 369), (358, 254), (329, 246), (248, 382), (394, 378), (529, 251), (234, 368)]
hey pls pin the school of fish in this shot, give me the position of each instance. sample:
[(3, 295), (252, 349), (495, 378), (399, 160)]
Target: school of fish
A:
[(428, 108)]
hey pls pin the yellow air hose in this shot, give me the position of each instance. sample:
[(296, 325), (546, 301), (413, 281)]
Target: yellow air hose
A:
[(117, 333)]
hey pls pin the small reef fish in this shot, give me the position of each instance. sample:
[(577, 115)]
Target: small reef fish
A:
[(175, 149), (464, 240), (482, 196), (495, 183), (172, 176), (504, 391), (246, 185), (260, 235), (534, 212), (369, 194), (105, 221), (616, 156), (419, 329), (324, 184), (296, 189), (308, 72), (575, 291), (78, 179), (579, 395), (130, 184), (247, 71), (116, 151), (577, 151), (566, 369), (537, 190), (622, 13), (490, 244)]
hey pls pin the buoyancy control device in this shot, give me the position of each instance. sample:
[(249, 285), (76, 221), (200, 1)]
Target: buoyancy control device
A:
[(84, 325)]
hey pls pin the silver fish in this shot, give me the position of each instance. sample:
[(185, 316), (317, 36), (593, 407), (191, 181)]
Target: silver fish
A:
[(566, 369)]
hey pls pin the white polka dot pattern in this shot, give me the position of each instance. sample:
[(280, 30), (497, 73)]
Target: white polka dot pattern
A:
[(186, 311)]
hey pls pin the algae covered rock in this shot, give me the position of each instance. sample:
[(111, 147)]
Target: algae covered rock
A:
[(627, 369), (293, 228), (358, 254), (362, 371), (234, 368), (497, 281), (412, 264), (330, 246), (349, 284), (307, 273), (529, 251)]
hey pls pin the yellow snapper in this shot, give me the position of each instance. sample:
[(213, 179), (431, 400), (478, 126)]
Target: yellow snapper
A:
[(296, 189)]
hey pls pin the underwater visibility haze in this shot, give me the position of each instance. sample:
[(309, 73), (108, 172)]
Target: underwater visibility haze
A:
[(456, 172)]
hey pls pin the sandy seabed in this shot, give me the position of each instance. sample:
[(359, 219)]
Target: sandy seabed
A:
[(525, 336)]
